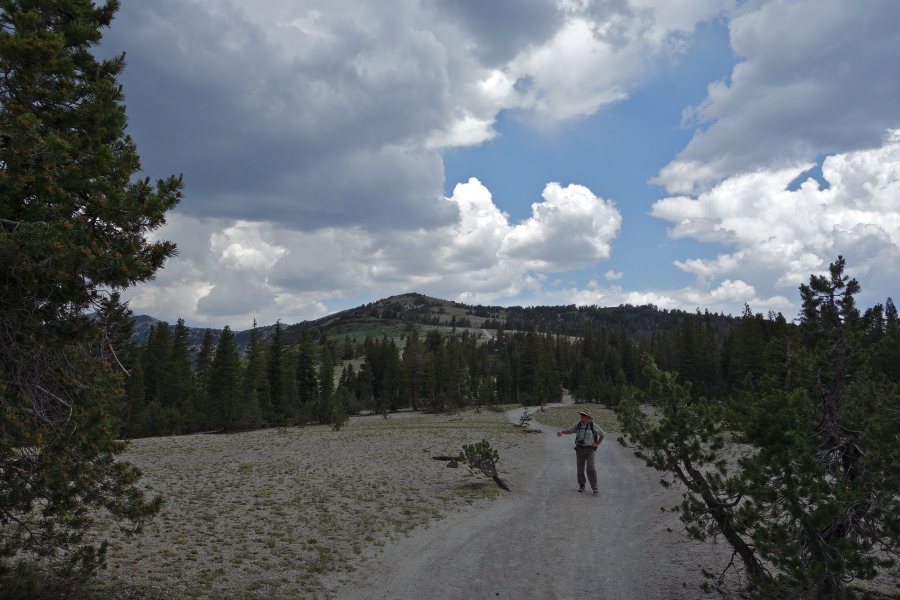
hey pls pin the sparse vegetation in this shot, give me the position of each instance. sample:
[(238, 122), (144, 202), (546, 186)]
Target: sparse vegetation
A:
[(287, 509), (481, 457), (525, 418)]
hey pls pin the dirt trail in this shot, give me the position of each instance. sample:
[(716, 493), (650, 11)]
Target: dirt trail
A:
[(546, 540)]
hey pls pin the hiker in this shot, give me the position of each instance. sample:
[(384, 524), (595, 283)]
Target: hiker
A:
[(588, 436)]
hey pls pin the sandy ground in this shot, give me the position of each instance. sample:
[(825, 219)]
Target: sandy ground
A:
[(367, 513), (279, 513), (546, 540)]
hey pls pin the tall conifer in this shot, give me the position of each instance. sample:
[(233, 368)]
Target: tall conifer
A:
[(202, 371), (275, 369), (413, 368), (224, 388), (255, 383), (307, 382), (181, 389), (74, 225)]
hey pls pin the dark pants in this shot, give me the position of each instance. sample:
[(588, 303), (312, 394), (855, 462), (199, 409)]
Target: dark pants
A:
[(585, 458)]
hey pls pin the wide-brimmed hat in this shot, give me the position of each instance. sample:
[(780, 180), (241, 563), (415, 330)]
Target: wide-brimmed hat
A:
[(585, 413)]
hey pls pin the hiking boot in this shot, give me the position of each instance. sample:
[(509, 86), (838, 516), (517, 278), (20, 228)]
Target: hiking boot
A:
[(596, 491), (581, 489)]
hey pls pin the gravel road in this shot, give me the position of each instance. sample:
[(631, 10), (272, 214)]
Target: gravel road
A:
[(546, 540)]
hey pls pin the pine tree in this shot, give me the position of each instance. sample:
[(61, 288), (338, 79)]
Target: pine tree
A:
[(363, 386), (119, 327), (413, 368), (552, 381), (826, 475), (162, 416), (135, 417), (254, 382), (224, 389), (531, 371), (74, 225), (275, 369), (454, 378), (348, 349), (743, 350), (202, 370), (813, 506), (350, 382), (443, 380), (683, 438), (307, 382), (505, 389), (630, 358), (392, 383), (181, 389), (156, 359)]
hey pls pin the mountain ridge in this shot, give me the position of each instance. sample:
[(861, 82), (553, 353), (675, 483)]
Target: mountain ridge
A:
[(427, 311)]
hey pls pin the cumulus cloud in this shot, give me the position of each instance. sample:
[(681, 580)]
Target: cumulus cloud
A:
[(803, 88), (570, 229), (310, 136), (790, 233), (270, 272), (607, 48), (708, 270), (321, 114), (241, 247), (728, 298)]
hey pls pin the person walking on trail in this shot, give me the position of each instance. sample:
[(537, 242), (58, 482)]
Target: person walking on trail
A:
[(588, 436)]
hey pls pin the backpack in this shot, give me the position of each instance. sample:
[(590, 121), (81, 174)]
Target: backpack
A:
[(580, 442)]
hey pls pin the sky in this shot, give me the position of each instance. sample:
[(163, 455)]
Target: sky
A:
[(690, 154)]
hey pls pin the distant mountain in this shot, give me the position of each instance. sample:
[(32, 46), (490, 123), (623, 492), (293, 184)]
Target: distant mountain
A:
[(395, 311), (143, 324), (388, 311)]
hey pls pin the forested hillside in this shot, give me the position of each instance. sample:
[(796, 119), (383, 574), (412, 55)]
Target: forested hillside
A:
[(385, 316), (417, 352)]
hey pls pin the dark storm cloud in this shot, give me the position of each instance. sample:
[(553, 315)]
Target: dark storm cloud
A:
[(225, 301), (502, 28), (329, 137)]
